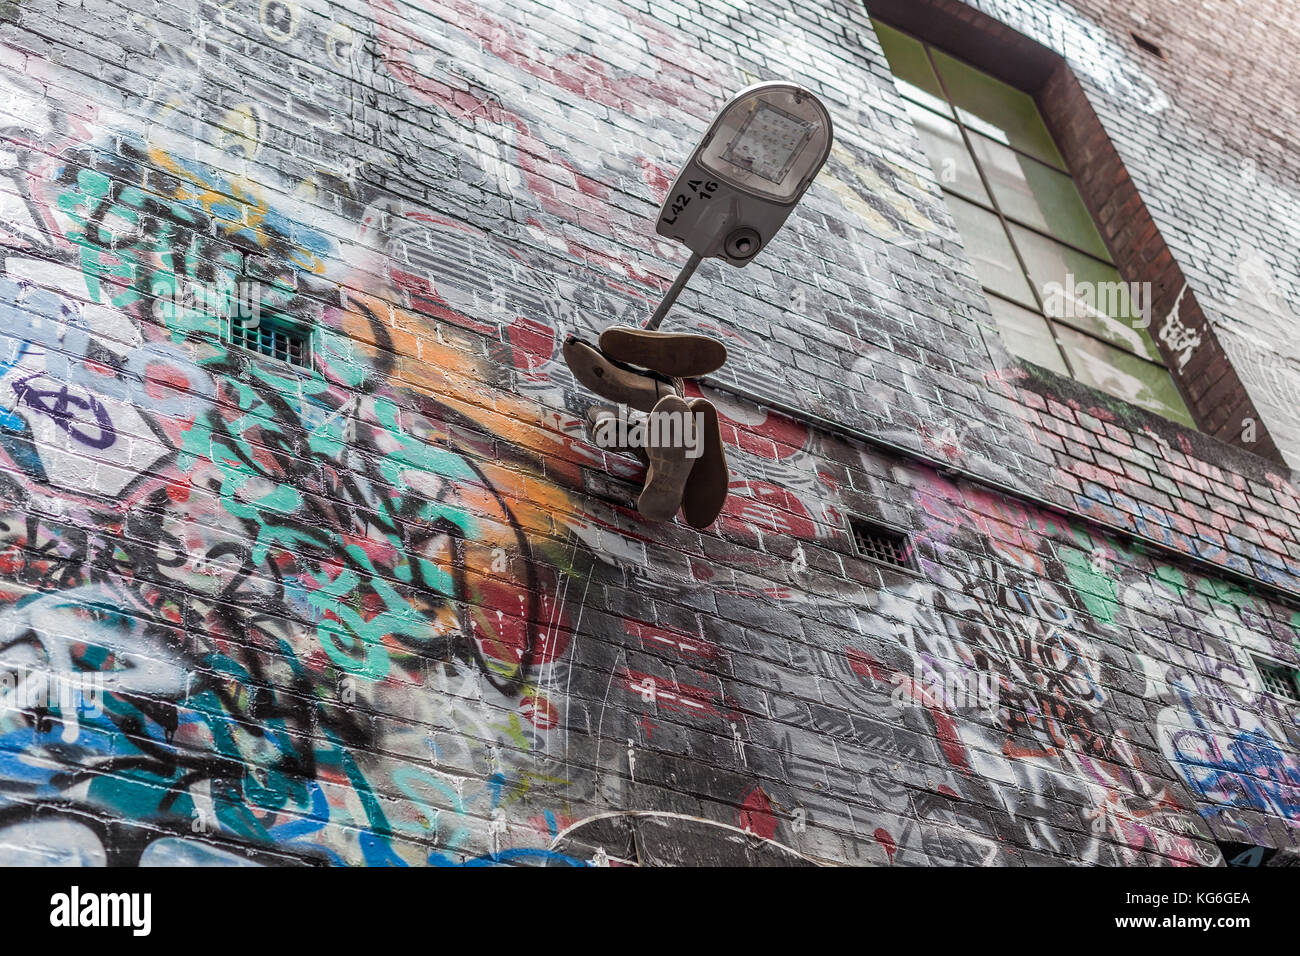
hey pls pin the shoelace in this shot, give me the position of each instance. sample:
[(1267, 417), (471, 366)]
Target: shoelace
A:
[(648, 373)]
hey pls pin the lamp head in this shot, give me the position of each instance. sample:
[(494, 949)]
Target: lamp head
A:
[(749, 171)]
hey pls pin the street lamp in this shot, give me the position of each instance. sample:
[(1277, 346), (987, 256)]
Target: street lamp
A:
[(744, 178)]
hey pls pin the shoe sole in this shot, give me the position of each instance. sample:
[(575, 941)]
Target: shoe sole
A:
[(706, 492), (667, 472), (675, 354)]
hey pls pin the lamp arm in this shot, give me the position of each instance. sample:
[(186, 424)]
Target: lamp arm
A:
[(674, 291)]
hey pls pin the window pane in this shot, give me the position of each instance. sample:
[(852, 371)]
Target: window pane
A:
[(913, 74), (1038, 195), (986, 242), (943, 144), (996, 109), (1086, 293), (1027, 335), (1123, 375)]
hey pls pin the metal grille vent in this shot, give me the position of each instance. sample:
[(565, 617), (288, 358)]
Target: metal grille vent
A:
[(879, 543), (1278, 679), (274, 340)]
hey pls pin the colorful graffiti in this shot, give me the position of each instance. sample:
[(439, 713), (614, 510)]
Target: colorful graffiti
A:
[(317, 598)]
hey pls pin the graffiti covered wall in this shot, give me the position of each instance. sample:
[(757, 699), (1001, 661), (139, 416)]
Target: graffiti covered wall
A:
[(394, 608)]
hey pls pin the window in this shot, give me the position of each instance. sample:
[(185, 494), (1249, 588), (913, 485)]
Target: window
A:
[(1278, 679), (1052, 285)]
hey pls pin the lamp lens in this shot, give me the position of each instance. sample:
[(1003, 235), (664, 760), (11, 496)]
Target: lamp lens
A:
[(768, 142)]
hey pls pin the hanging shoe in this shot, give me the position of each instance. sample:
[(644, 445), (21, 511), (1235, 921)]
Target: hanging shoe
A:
[(597, 420), (669, 467), (706, 491), (672, 353), (614, 380)]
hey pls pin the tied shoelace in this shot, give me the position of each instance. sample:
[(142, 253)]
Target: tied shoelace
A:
[(647, 373)]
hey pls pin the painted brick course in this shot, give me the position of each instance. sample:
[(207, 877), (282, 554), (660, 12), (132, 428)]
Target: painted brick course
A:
[(397, 609)]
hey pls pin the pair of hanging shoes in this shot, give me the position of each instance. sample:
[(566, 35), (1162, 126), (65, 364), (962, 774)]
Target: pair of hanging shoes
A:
[(674, 479)]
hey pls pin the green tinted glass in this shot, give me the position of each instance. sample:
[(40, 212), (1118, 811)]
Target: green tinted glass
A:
[(987, 244), (1124, 376), (947, 152), (996, 109), (1038, 195), (1003, 146), (1026, 334), (910, 65), (1086, 293)]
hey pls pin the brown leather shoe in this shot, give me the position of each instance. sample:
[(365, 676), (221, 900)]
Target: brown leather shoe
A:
[(613, 380), (673, 353), (706, 491), (668, 469)]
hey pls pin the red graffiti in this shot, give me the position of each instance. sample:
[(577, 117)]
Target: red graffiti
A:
[(679, 642), (884, 839), (864, 665), (755, 815), (540, 712), (763, 506), (673, 695)]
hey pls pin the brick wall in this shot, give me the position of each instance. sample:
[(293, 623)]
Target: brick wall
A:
[(395, 608)]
